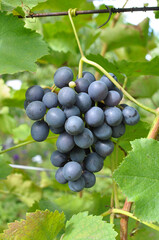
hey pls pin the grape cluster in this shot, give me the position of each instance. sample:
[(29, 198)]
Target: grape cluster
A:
[(85, 118)]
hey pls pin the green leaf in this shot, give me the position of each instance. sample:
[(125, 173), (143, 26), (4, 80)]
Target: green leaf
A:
[(84, 227), (5, 169), (18, 45), (27, 4), (126, 35), (7, 123), (23, 188), (139, 130), (21, 133), (138, 178), (43, 225)]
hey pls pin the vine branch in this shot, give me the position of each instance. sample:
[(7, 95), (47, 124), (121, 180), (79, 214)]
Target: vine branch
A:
[(113, 10)]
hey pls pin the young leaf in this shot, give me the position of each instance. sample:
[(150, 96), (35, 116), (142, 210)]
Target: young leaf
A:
[(84, 227), (18, 45), (138, 178), (43, 225), (24, 189), (11, 4)]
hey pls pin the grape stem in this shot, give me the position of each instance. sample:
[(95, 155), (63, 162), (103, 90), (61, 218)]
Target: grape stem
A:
[(128, 214), (84, 59), (22, 144)]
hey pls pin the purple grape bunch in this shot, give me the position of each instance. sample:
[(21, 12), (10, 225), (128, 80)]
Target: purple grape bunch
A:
[(86, 119)]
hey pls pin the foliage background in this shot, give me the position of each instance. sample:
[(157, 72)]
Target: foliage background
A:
[(31, 50)]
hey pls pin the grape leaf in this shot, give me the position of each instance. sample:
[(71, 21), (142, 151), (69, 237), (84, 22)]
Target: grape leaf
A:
[(43, 225), (138, 178), (27, 4), (23, 188), (126, 35), (5, 169), (18, 45), (84, 227)]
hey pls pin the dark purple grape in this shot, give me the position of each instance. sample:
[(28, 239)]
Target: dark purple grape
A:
[(110, 85), (59, 176), (50, 100), (72, 171), (97, 90), (119, 91), (131, 115), (36, 110), (67, 97), (85, 139), (74, 125), (89, 76), (34, 93), (65, 143), (82, 85), (94, 117), (93, 162), (103, 132), (77, 155), (113, 116), (58, 159), (118, 131), (113, 98), (55, 118), (78, 185), (104, 148), (39, 131), (57, 130), (63, 76), (83, 102), (89, 178), (72, 111), (46, 90)]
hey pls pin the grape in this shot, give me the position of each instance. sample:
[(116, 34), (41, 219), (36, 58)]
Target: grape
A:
[(50, 100), (97, 90), (55, 118), (113, 116), (65, 143), (59, 176), (119, 91), (131, 115), (118, 131), (72, 111), (110, 85), (34, 93), (74, 125), (77, 155), (26, 103), (89, 76), (36, 110), (82, 85), (77, 186), (67, 97), (46, 90), (94, 117), (93, 162), (63, 76), (57, 130), (89, 178), (72, 171), (103, 132), (39, 131), (104, 148), (113, 98), (83, 102), (58, 159), (85, 139)]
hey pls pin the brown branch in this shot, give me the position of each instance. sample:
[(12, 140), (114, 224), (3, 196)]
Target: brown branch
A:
[(113, 10), (124, 221)]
